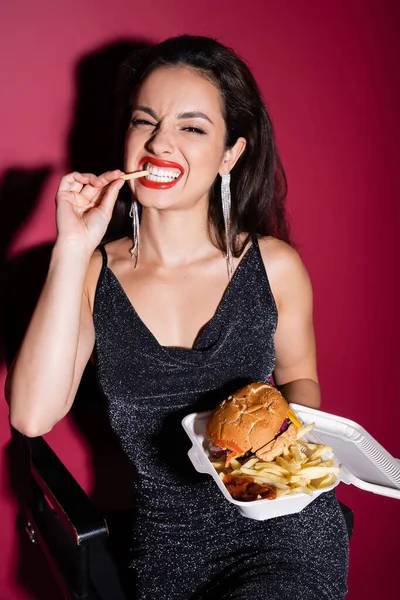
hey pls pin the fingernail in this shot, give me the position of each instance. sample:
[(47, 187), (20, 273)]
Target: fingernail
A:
[(120, 183)]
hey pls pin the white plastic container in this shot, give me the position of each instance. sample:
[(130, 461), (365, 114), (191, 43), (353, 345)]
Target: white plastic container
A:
[(363, 462)]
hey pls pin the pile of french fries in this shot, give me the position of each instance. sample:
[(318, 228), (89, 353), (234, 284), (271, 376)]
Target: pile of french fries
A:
[(302, 468)]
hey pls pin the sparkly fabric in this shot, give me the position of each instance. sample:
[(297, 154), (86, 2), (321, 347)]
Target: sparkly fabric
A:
[(188, 542)]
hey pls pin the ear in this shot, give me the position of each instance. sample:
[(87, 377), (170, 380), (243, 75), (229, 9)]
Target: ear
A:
[(232, 155)]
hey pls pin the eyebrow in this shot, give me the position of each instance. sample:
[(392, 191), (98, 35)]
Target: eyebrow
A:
[(194, 115), (185, 115), (147, 110)]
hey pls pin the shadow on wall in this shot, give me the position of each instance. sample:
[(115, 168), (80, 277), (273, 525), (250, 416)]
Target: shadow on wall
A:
[(92, 147)]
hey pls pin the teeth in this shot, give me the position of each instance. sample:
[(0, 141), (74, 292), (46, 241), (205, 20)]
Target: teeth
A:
[(161, 174), (160, 179)]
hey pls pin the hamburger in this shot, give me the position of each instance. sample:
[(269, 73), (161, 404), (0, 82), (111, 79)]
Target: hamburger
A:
[(254, 420)]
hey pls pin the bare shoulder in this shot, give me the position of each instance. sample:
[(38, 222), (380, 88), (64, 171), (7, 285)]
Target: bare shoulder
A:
[(279, 257), (285, 268)]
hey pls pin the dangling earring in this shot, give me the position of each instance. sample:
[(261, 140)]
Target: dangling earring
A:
[(134, 214), (226, 210)]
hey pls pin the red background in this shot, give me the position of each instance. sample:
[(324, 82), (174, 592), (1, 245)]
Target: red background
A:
[(329, 72)]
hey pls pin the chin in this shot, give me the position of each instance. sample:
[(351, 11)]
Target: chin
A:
[(156, 199), (172, 199)]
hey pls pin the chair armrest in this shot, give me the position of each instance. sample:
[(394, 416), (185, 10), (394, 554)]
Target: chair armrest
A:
[(64, 495)]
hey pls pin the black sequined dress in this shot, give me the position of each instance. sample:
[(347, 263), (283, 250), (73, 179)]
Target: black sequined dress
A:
[(188, 541)]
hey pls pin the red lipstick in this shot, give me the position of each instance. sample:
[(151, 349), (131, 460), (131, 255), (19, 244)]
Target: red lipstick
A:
[(159, 185)]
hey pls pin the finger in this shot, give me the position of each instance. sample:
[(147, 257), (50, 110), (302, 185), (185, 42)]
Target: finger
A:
[(74, 182), (110, 176), (92, 194), (110, 197)]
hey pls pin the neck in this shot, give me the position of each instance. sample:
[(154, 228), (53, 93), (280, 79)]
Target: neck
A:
[(173, 238)]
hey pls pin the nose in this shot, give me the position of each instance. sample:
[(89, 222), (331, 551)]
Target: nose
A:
[(161, 142)]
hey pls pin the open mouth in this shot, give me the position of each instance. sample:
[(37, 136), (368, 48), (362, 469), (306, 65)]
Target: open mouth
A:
[(162, 174)]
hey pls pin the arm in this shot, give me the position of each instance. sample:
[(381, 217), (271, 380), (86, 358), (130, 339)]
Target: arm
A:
[(45, 375), (295, 371)]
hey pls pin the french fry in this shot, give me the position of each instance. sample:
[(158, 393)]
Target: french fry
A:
[(317, 453), (249, 471), (307, 448), (297, 454), (296, 479), (280, 493), (326, 463), (291, 466), (269, 476), (304, 430), (275, 469), (329, 481), (250, 463), (323, 482), (235, 464), (314, 472), (134, 175), (266, 481), (295, 487), (313, 463), (304, 490), (270, 465), (309, 445)]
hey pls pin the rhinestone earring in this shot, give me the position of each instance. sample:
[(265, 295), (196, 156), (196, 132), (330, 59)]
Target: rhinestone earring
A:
[(134, 214), (226, 210)]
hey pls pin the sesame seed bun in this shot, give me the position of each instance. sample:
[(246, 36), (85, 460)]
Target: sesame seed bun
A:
[(249, 420)]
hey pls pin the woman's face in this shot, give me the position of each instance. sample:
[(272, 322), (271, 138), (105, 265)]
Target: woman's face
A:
[(177, 132)]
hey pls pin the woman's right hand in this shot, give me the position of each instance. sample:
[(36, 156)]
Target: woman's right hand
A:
[(84, 206)]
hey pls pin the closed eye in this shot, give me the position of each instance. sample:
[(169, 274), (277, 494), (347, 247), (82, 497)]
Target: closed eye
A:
[(194, 130), (137, 122)]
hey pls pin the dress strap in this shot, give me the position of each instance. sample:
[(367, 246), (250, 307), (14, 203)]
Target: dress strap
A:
[(101, 275), (104, 255)]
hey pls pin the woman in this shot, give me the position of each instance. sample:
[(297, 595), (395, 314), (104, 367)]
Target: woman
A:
[(206, 299)]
